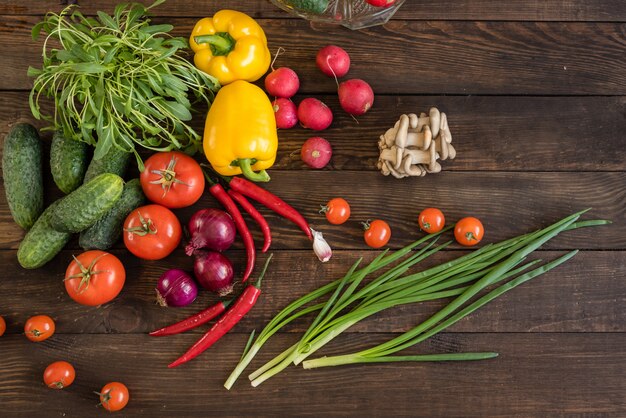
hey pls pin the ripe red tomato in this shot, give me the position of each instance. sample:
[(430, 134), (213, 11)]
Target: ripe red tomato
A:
[(94, 277), (114, 396), (337, 211), (172, 179), (59, 375), (152, 232), (3, 326), (381, 3), (39, 328), (469, 231), (377, 233), (431, 220)]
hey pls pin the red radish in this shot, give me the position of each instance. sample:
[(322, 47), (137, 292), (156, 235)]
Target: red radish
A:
[(355, 96), (381, 3), (316, 152), (314, 114), (282, 82), (333, 61), (285, 112)]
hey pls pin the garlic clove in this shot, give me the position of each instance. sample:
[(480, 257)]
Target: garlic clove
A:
[(320, 246)]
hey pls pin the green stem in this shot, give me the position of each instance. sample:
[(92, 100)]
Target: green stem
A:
[(221, 43), (246, 169), (352, 359)]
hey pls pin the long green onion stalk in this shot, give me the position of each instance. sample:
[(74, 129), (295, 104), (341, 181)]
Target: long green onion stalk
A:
[(348, 301)]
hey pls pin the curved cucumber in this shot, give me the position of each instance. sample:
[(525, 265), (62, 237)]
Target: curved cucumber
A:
[(22, 174), (104, 233), (87, 204), (68, 162), (115, 161), (42, 242)]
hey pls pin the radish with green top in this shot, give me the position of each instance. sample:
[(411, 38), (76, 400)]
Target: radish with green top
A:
[(316, 152), (286, 113), (356, 96), (314, 114)]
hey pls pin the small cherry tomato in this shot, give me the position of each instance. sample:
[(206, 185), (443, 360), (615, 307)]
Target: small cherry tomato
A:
[(469, 231), (172, 179), (377, 233), (3, 326), (59, 375), (152, 232), (39, 328), (431, 220), (114, 396), (337, 211), (94, 277)]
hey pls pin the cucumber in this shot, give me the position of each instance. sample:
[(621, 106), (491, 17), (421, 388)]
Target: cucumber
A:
[(311, 6), (42, 242), (22, 174), (87, 204), (68, 162), (115, 161), (104, 233)]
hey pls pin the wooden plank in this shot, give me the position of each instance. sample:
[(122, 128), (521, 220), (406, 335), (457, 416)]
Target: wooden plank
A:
[(489, 133), (475, 57), (536, 374), (515, 10), (583, 295), (508, 203)]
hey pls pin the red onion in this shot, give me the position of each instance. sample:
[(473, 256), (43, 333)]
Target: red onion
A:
[(210, 228), (214, 272), (176, 288)]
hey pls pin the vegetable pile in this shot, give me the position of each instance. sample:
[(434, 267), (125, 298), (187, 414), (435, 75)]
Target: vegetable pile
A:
[(118, 81)]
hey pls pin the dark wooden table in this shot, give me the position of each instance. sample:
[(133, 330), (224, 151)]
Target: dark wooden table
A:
[(535, 92)]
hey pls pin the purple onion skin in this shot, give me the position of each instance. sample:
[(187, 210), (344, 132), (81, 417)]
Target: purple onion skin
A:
[(176, 288), (214, 272), (212, 229)]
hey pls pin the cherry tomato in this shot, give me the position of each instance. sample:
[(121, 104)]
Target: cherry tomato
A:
[(468, 231), (39, 328), (3, 326), (59, 375), (94, 277), (431, 220), (337, 211), (381, 3), (172, 179), (152, 232), (377, 233), (114, 396)]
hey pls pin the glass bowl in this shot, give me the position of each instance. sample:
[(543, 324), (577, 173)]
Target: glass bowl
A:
[(353, 14)]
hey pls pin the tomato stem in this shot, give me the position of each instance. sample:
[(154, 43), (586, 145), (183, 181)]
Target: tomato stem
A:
[(168, 177), (147, 227), (366, 225)]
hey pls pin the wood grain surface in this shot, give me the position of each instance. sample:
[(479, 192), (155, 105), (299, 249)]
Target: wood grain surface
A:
[(535, 93)]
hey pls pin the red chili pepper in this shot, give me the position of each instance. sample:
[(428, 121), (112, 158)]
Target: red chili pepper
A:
[(220, 194), (241, 307), (193, 321), (275, 203), (256, 215)]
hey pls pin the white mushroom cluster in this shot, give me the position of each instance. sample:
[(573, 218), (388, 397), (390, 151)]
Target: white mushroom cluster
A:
[(415, 144)]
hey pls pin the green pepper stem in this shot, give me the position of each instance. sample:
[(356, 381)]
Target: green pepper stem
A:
[(246, 169), (220, 43)]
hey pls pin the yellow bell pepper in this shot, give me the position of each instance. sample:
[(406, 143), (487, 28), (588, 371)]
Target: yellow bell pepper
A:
[(240, 132), (230, 46)]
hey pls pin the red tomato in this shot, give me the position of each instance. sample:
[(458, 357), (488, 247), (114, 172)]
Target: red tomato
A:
[(152, 232), (3, 326), (377, 233), (431, 220), (114, 396), (381, 3), (59, 375), (94, 277), (468, 231), (172, 179), (337, 211), (39, 328)]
